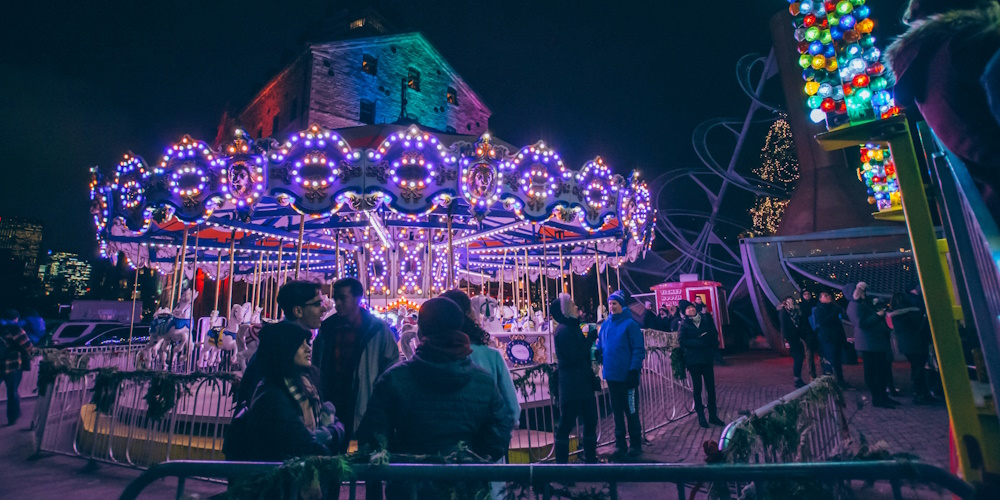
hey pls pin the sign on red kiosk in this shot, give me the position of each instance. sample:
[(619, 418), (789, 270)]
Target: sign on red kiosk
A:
[(711, 294)]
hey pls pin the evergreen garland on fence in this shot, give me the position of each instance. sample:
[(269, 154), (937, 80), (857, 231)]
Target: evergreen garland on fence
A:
[(161, 395)]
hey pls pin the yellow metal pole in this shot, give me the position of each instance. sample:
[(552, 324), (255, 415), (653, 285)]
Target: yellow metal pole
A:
[(298, 252), (232, 265), (933, 280)]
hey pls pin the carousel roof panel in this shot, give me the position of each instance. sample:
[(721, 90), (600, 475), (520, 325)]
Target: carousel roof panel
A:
[(382, 193)]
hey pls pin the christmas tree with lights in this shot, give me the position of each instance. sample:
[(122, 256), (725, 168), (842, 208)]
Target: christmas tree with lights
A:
[(779, 165)]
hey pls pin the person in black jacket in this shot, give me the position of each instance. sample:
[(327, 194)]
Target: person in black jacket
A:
[(576, 380), (908, 331), (793, 331), (831, 336), (285, 417), (700, 340), (432, 402)]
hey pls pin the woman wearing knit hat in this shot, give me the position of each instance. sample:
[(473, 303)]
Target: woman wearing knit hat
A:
[(621, 348), (430, 403)]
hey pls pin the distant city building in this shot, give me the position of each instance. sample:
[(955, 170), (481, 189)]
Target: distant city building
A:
[(65, 273), (21, 240), (358, 73)]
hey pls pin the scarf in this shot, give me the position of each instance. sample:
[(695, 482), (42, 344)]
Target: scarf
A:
[(304, 393), (444, 347), (795, 314), (696, 319)]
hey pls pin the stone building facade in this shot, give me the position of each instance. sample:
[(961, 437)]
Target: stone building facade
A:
[(361, 81)]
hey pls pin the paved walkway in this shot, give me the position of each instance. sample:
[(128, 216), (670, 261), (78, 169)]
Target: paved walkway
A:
[(747, 381)]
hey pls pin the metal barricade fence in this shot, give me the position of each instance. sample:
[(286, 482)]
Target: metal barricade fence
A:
[(121, 357), (823, 433), (662, 399), (68, 423), (126, 435)]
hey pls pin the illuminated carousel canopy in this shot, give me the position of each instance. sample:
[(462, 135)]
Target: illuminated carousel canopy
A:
[(383, 203)]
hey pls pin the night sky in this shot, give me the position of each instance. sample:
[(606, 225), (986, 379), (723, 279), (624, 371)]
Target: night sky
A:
[(83, 82)]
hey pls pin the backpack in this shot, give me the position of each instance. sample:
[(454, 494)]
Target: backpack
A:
[(813, 322)]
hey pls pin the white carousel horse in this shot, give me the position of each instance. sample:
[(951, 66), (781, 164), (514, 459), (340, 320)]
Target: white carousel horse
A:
[(247, 334), (406, 326), (539, 324), (172, 329), (219, 339), (490, 315)]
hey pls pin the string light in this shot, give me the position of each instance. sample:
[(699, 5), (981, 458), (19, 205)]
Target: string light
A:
[(779, 165)]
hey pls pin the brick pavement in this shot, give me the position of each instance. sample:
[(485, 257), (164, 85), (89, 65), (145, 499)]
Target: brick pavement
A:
[(752, 379)]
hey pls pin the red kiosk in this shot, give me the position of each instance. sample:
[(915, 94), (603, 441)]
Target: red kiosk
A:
[(711, 293)]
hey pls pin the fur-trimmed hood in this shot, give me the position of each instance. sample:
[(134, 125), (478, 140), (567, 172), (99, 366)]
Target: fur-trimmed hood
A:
[(909, 56)]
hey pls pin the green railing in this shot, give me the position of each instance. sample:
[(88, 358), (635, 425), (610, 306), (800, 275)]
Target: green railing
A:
[(538, 478)]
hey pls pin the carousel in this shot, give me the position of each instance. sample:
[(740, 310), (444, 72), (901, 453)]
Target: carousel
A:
[(409, 212)]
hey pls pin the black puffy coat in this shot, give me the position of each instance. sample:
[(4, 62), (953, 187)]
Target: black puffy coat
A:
[(699, 341), (421, 407), (831, 328), (275, 421), (576, 375), (908, 329)]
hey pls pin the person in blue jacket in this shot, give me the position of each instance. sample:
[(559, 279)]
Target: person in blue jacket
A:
[(621, 349)]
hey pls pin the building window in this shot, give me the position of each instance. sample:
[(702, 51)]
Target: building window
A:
[(358, 23), (452, 96), (274, 125), (369, 64), (367, 114), (413, 79)]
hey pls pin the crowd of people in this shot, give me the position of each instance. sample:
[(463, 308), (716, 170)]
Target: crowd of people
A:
[(816, 327), (315, 386)]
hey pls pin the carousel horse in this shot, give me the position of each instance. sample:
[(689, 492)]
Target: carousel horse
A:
[(247, 334), (408, 334), (221, 338), (539, 324), (172, 329), (489, 313)]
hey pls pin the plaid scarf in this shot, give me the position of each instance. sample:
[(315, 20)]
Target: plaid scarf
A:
[(304, 393)]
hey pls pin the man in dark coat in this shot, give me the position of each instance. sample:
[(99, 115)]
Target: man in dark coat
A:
[(794, 332), (18, 360), (352, 350), (438, 399), (831, 335), (871, 339), (700, 340), (576, 380), (913, 342)]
